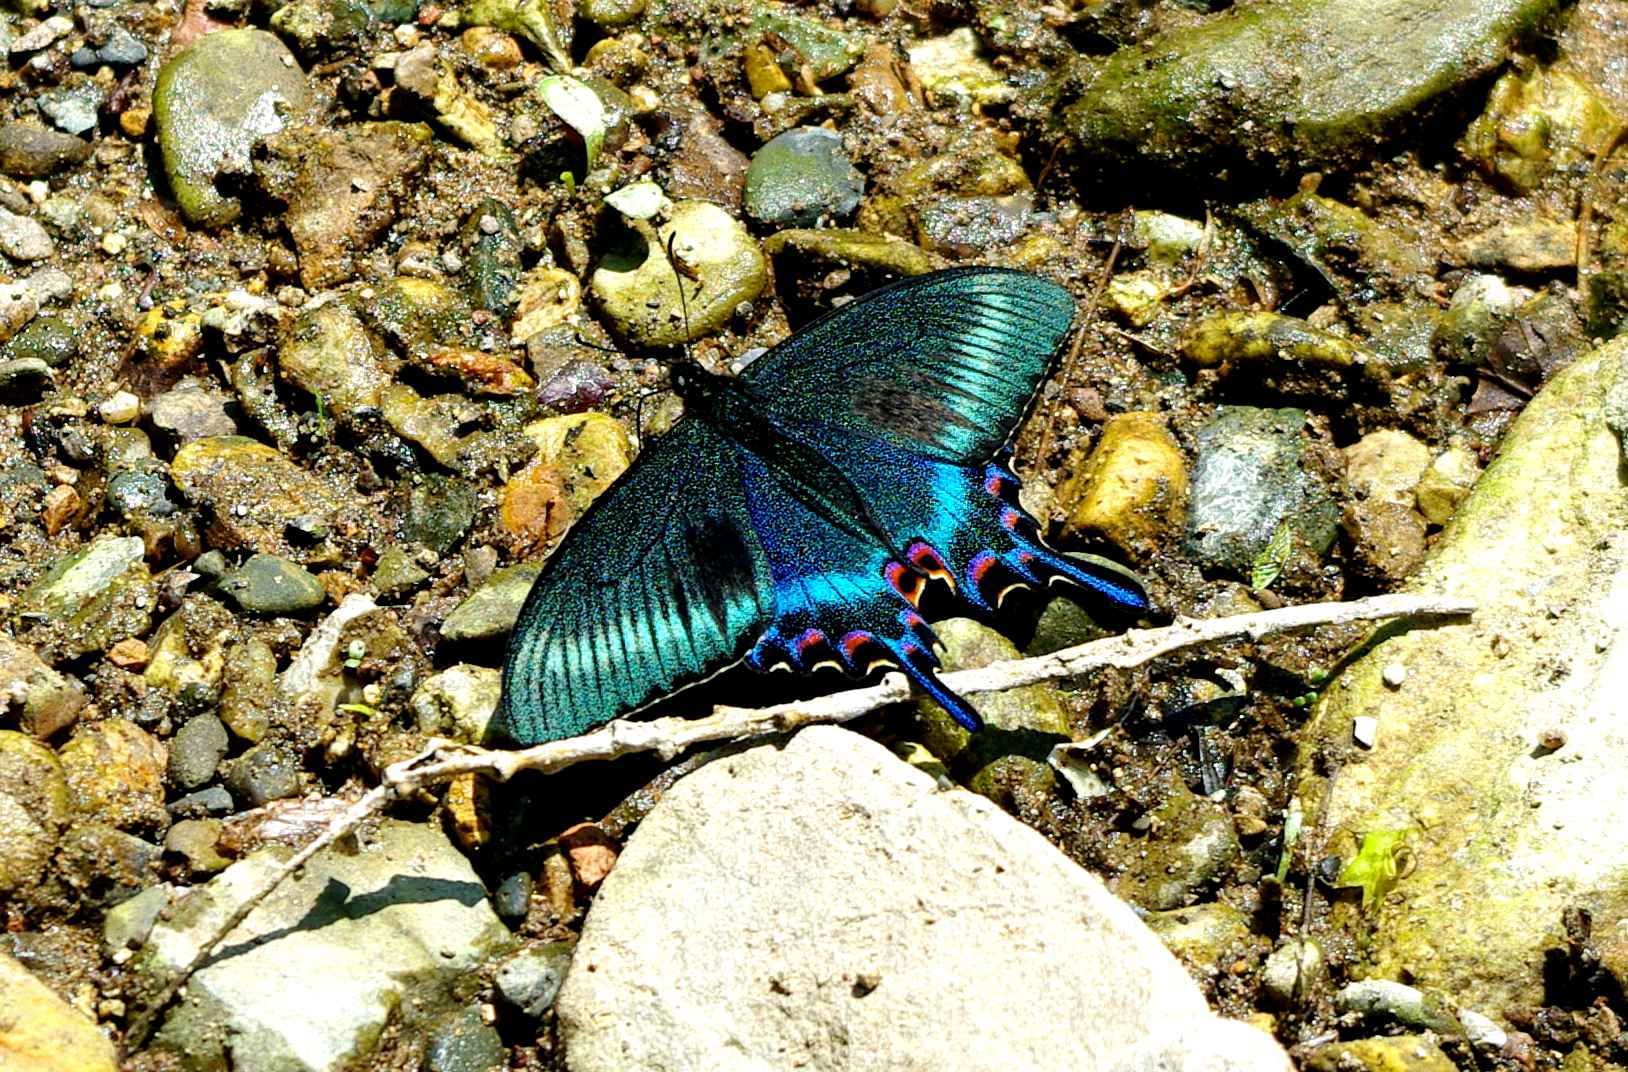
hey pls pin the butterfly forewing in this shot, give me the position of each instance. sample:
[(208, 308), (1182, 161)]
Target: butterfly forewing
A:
[(942, 365)]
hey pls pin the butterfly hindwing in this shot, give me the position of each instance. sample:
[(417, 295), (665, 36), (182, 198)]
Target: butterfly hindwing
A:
[(659, 584), (942, 365)]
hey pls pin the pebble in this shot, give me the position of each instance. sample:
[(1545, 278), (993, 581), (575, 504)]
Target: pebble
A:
[(128, 923), (34, 809), (802, 177), (212, 801), (198, 842), (1292, 972), (529, 981), (1445, 485), (491, 610), (115, 771), (252, 494), (44, 701), (1386, 466), (269, 584), (1132, 487), (188, 412), (28, 151), (262, 774), (1394, 674), (44, 34), (436, 511), (23, 238), (195, 751), (512, 898), (462, 1042), (73, 109), (636, 287), (1365, 730)]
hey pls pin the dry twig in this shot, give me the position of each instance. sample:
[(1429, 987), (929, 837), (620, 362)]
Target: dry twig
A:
[(668, 737)]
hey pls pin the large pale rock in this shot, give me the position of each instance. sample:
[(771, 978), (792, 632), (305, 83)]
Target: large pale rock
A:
[(309, 981), (39, 1032), (819, 904), (1504, 830)]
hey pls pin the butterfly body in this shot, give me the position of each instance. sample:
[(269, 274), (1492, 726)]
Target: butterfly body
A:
[(795, 516)]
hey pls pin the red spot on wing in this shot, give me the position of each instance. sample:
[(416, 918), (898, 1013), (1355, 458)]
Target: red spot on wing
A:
[(808, 640)]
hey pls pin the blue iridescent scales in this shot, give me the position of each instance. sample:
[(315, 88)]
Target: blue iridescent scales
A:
[(797, 514)]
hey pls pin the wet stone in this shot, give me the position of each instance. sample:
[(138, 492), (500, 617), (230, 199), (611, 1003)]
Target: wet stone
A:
[(48, 339), (23, 238), (43, 701), (91, 599), (264, 773), (197, 841), (635, 285), (31, 152), (213, 102), (195, 751), (341, 187), (186, 413), (492, 241), (1249, 480), (492, 608), (436, 511), (252, 495), (249, 690), (128, 923), (1131, 488), (462, 1042), (529, 981), (397, 574), (42, 1032), (115, 771), (213, 801), (73, 109), (268, 584), (512, 898), (34, 808), (1318, 78), (802, 177)]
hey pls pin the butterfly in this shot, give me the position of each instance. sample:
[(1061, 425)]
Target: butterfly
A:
[(796, 515)]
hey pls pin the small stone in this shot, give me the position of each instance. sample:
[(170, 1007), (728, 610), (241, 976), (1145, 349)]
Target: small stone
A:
[(636, 287), (90, 599), (457, 703), (1394, 674), (1365, 730), (47, 338), (213, 801), (189, 412), (129, 654), (196, 750), (1551, 740), (44, 701), (491, 609), (115, 771), (1446, 484), (264, 773), (268, 584), (121, 407), (128, 923), (436, 511), (462, 1042), (198, 841), (1293, 971), (1386, 465), (548, 296), (1132, 488), (73, 109), (528, 982), (1482, 1032), (44, 34), (952, 69), (396, 574), (213, 102), (30, 152), (512, 898), (23, 238), (1388, 1000), (491, 48), (1394, 1053), (61, 504), (34, 809), (802, 177), (591, 853)]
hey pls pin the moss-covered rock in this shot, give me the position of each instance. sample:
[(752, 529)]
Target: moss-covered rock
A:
[(1296, 80), (214, 101), (1458, 763)]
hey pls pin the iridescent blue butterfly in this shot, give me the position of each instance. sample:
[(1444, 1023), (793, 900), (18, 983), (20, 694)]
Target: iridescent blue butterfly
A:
[(796, 515)]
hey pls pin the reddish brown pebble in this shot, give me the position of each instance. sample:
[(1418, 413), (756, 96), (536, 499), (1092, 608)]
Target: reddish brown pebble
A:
[(128, 654), (61, 504), (592, 854)]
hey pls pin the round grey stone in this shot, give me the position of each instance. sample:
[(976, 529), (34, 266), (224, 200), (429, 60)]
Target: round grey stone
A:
[(268, 584), (196, 750), (802, 177)]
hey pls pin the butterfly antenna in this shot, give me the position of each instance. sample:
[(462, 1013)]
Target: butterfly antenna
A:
[(683, 302)]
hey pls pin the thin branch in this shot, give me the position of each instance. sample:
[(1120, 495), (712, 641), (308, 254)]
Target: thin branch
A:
[(668, 737)]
